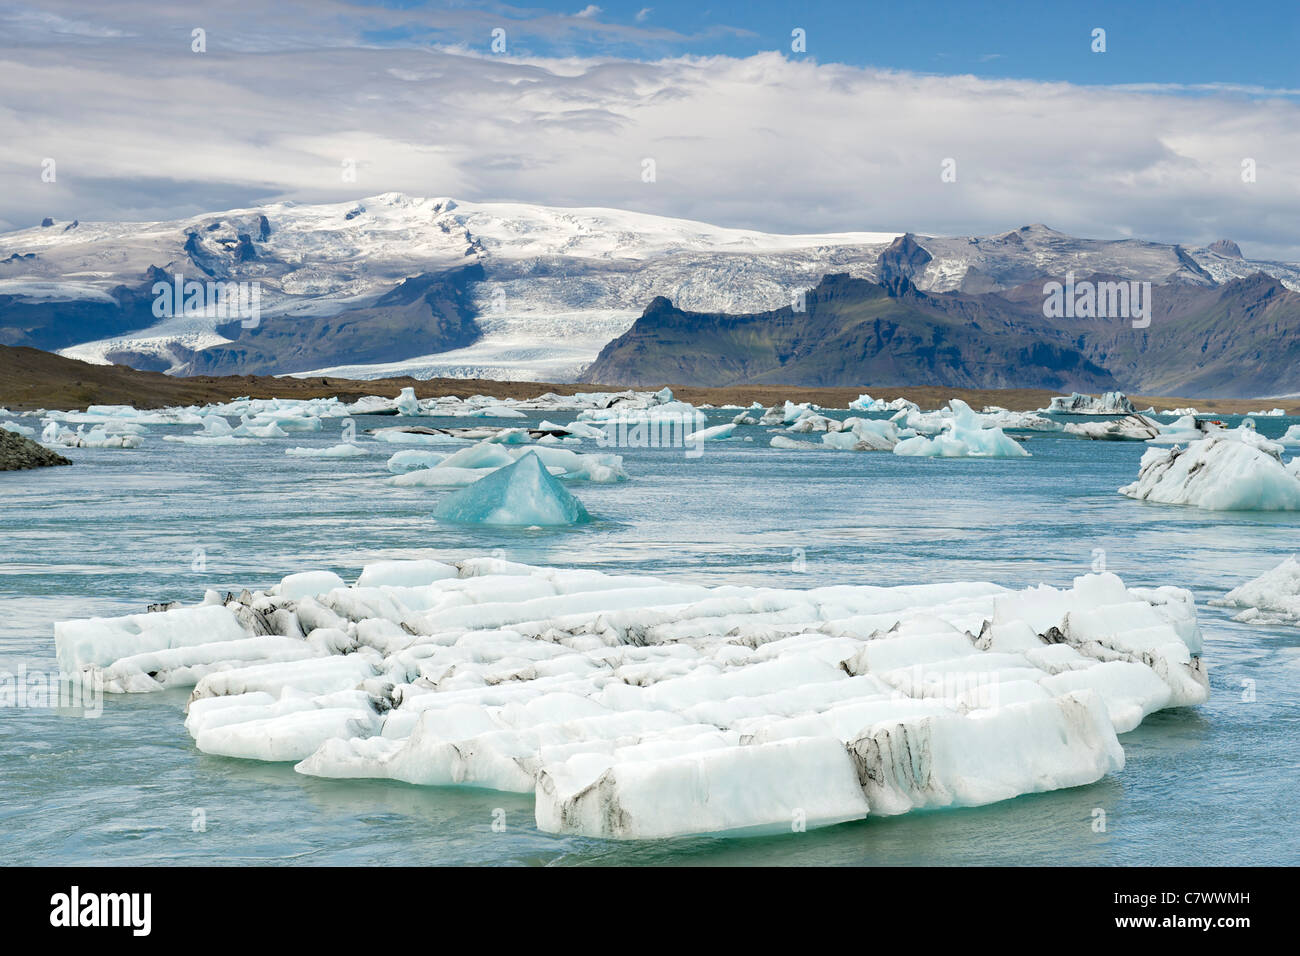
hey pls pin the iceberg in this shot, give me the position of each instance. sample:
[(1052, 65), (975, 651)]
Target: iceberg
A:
[(1291, 436), (406, 403), (633, 707), (862, 434), (865, 403), (1109, 403), (1271, 598), (1128, 428), (964, 436), (522, 494), (1238, 470)]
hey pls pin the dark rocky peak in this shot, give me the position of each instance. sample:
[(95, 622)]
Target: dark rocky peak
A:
[(904, 257), (1226, 247)]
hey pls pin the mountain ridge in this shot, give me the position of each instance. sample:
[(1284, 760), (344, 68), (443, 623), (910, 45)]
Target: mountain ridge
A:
[(557, 284)]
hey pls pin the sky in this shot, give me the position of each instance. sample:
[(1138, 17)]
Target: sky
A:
[(940, 118)]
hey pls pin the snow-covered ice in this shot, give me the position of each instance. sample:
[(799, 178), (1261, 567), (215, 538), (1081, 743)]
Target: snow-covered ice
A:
[(635, 708)]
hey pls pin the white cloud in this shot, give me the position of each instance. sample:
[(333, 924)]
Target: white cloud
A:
[(591, 10), (783, 145)]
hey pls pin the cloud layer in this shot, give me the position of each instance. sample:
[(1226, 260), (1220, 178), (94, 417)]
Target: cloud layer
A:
[(141, 127)]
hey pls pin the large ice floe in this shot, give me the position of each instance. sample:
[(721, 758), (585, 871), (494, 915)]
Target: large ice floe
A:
[(964, 435), (1234, 470), (520, 494), (1271, 598), (634, 707)]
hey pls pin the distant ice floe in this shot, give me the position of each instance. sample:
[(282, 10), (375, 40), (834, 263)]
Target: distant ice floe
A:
[(638, 708), (865, 403), (1109, 403), (1271, 598), (1235, 470), (343, 450), (1272, 413)]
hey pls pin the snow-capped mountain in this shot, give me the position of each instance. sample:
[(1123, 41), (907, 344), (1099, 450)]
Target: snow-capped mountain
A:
[(393, 284)]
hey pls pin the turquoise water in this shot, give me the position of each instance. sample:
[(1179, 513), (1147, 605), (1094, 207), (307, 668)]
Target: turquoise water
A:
[(1210, 785)]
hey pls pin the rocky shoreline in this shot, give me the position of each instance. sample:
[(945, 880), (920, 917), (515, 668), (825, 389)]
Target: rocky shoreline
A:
[(18, 453)]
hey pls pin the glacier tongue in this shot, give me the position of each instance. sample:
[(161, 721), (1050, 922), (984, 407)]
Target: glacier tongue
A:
[(638, 708)]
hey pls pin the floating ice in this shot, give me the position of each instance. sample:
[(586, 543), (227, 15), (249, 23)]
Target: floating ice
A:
[(25, 430), (964, 436), (791, 444), (477, 461), (415, 436), (1237, 470), (1109, 403), (1271, 598), (97, 437), (636, 708), (406, 403), (345, 450), (522, 494), (1272, 413), (716, 433), (1128, 428), (247, 429), (413, 459), (1188, 428), (1291, 436), (211, 440)]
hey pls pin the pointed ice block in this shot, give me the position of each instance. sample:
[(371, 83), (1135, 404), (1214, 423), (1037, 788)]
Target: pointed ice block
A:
[(521, 494)]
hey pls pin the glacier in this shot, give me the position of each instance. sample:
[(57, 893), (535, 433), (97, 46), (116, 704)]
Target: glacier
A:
[(633, 707)]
